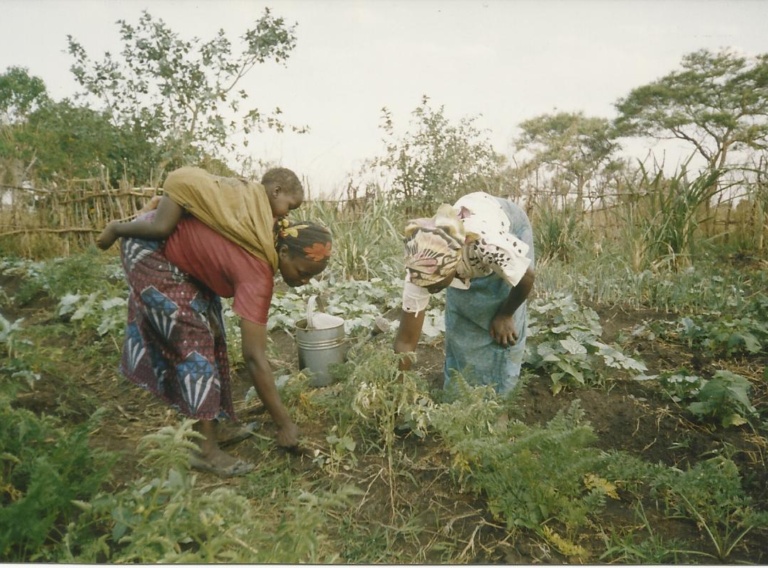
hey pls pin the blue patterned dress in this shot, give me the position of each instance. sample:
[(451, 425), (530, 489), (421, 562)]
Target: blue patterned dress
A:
[(175, 345), (469, 347)]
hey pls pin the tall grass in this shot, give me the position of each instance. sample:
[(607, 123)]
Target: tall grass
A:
[(367, 242), (558, 232), (659, 218)]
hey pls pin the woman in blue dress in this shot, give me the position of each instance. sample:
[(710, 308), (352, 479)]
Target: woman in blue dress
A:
[(481, 250)]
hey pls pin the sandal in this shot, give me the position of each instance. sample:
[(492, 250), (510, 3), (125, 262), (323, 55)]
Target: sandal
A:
[(237, 469), (240, 434)]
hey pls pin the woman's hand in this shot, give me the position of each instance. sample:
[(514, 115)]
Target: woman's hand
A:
[(503, 330), (407, 337), (288, 435), (254, 340)]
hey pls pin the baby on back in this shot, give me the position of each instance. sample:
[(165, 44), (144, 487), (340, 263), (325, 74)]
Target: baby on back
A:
[(231, 206)]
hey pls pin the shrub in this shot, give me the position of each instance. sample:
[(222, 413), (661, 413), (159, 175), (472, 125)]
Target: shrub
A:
[(44, 469)]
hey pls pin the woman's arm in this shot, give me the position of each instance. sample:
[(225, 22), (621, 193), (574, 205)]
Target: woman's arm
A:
[(408, 335), (503, 329), (254, 338)]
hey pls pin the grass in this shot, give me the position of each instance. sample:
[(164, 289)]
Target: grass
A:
[(608, 279)]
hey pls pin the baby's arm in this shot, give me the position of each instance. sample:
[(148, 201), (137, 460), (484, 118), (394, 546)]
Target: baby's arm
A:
[(163, 224)]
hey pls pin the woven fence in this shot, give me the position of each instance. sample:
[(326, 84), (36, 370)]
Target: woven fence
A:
[(61, 219), (66, 218)]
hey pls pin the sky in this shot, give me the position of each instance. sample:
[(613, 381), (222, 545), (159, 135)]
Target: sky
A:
[(499, 61)]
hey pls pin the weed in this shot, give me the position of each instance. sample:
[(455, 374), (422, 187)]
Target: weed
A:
[(644, 546), (710, 493), (163, 517), (340, 455)]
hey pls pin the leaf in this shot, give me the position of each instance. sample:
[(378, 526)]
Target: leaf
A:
[(573, 347), (561, 329), (751, 343), (67, 303), (734, 419), (593, 481), (113, 303), (572, 371)]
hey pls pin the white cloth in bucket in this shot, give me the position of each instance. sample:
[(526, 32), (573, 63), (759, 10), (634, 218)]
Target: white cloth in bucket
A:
[(319, 320)]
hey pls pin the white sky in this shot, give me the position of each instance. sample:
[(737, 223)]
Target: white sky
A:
[(506, 60)]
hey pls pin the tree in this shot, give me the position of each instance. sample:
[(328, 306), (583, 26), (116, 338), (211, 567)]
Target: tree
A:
[(717, 103), (181, 95), (437, 161), (69, 141), (573, 149), (42, 139), (20, 94)]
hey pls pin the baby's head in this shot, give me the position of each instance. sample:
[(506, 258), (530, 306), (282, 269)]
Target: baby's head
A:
[(284, 191)]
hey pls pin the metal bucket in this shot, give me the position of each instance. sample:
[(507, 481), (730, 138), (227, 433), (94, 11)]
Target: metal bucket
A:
[(321, 342)]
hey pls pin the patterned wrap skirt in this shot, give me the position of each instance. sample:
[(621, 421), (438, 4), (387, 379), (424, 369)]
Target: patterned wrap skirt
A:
[(175, 345), (469, 348)]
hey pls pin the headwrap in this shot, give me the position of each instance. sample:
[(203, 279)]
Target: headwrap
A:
[(235, 208), (433, 246), (312, 240)]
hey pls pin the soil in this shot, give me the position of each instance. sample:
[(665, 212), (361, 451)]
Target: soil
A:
[(632, 416)]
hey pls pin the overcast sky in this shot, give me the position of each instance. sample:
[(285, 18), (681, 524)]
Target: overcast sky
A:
[(502, 60)]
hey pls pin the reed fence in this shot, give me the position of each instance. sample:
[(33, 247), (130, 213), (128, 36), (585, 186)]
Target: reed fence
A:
[(70, 218), (64, 218)]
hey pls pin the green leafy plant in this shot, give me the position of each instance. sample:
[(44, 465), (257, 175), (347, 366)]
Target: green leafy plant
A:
[(95, 311), (710, 493), (382, 397), (83, 272), (725, 335), (681, 386), (564, 343), (44, 468), (724, 398), (164, 517), (8, 333), (340, 454), (532, 476)]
